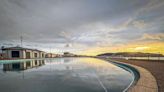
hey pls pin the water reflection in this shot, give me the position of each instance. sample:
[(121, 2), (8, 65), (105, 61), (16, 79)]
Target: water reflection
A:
[(23, 65), (63, 75)]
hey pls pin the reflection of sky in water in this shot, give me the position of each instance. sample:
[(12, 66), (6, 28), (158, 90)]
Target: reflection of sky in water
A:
[(67, 75)]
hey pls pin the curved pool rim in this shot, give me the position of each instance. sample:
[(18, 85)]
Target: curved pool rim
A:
[(129, 68)]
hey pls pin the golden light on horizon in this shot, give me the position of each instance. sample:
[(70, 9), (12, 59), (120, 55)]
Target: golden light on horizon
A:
[(150, 47)]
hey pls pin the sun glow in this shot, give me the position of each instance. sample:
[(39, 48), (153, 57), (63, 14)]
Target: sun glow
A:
[(152, 47)]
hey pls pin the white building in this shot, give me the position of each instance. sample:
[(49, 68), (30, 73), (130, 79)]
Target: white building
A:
[(24, 53)]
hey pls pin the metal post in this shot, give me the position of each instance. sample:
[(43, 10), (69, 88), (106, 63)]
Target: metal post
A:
[(159, 56), (148, 56)]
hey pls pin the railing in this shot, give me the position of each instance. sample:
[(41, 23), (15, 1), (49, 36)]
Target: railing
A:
[(137, 58)]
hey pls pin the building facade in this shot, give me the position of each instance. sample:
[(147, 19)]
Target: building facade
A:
[(22, 53), (52, 55), (2, 55)]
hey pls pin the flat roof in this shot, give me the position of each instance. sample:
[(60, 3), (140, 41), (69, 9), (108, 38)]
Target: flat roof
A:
[(20, 48)]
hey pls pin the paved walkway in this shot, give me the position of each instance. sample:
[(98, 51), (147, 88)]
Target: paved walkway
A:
[(147, 82)]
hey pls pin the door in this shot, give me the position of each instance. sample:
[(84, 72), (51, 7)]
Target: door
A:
[(28, 55)]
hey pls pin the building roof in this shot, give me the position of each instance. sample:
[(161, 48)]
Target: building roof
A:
[(20, 48)]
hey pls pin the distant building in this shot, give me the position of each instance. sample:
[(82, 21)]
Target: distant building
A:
[(67, 54), (24, 53), (52, 55)]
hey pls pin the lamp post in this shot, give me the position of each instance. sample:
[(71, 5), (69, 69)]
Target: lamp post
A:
[(21, 38), (148, 54), (50, 53), (159, 56)]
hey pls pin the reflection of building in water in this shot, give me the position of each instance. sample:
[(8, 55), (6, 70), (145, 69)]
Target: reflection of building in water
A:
[(23, 65), (67, 60)]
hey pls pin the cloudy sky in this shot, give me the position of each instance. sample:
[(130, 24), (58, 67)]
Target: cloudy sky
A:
[(83, 26)]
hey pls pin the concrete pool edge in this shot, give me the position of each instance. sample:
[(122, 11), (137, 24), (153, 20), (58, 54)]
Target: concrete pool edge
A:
[(146, 81)]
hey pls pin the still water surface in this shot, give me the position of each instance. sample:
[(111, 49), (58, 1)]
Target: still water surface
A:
[(63, 75)]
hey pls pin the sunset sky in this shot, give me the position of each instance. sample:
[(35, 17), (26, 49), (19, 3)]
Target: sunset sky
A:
[(87, 27)]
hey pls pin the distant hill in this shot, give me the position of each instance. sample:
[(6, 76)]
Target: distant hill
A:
[(131, 54)]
